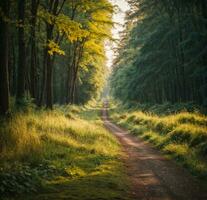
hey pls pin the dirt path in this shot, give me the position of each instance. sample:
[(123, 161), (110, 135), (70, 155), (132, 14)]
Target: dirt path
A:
[(153, 176)]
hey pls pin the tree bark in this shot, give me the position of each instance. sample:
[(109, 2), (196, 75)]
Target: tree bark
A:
[(53, 9), (21, 56), (33, 69), (4, 39), (182, 57), (49, 71), (204, 77), (75, 69)]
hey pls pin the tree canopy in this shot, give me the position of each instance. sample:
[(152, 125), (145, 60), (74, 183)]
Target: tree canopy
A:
[(54, 51), (163, 55)]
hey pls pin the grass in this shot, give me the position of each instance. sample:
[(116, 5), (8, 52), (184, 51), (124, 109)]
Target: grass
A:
[(180, 135), (61, 154)]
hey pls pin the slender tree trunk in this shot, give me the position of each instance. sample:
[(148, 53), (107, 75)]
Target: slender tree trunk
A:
[(33, 69), (75, 70), (14, 75), (21, 56), (70, 72), (11, 65), (204, 76), (72, 82), (182, 57), (55, 7), (73, 57), (49, 71), (4, 39), (43, 82), (68, 86)]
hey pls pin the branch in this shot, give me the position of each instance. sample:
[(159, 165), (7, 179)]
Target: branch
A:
[(61, 7)]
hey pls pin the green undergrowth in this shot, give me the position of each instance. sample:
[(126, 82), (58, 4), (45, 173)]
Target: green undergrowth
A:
[(60, 154), (164, 108), (180, 135)]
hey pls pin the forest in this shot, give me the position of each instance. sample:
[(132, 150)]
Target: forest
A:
[(103, 99), (52, 51), (162, 55)]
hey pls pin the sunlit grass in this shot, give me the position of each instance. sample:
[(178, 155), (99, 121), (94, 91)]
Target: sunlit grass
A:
[(18, 141), (71, 157), (182, 135)]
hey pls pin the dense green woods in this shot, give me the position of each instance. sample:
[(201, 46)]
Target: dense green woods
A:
[(52, 51), (163, 55)]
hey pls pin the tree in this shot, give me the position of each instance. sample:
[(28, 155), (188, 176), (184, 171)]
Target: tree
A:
[(21, 51), (4, 52), (162, 55), (56, 51), (33, 67)]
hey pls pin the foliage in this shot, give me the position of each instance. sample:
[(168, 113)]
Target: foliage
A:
[(162, 55), (86, 71), (56, 50)]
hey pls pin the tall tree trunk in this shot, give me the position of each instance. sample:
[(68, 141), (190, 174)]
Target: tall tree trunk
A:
[(68, 84), (55, 7), (75, 69), (21, 56), (13, 87), (11, 65), (181, 53), (49, 71), (72, 73), (43, 82), (33, 69), (4, 38), (204, 76)]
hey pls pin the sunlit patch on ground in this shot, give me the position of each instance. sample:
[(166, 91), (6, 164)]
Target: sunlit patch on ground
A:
[(61, 157)]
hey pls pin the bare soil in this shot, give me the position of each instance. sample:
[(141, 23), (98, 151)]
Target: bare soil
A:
[(152, 175)]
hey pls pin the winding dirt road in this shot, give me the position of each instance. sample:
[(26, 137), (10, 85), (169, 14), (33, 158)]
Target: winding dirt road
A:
[(153, 177)]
